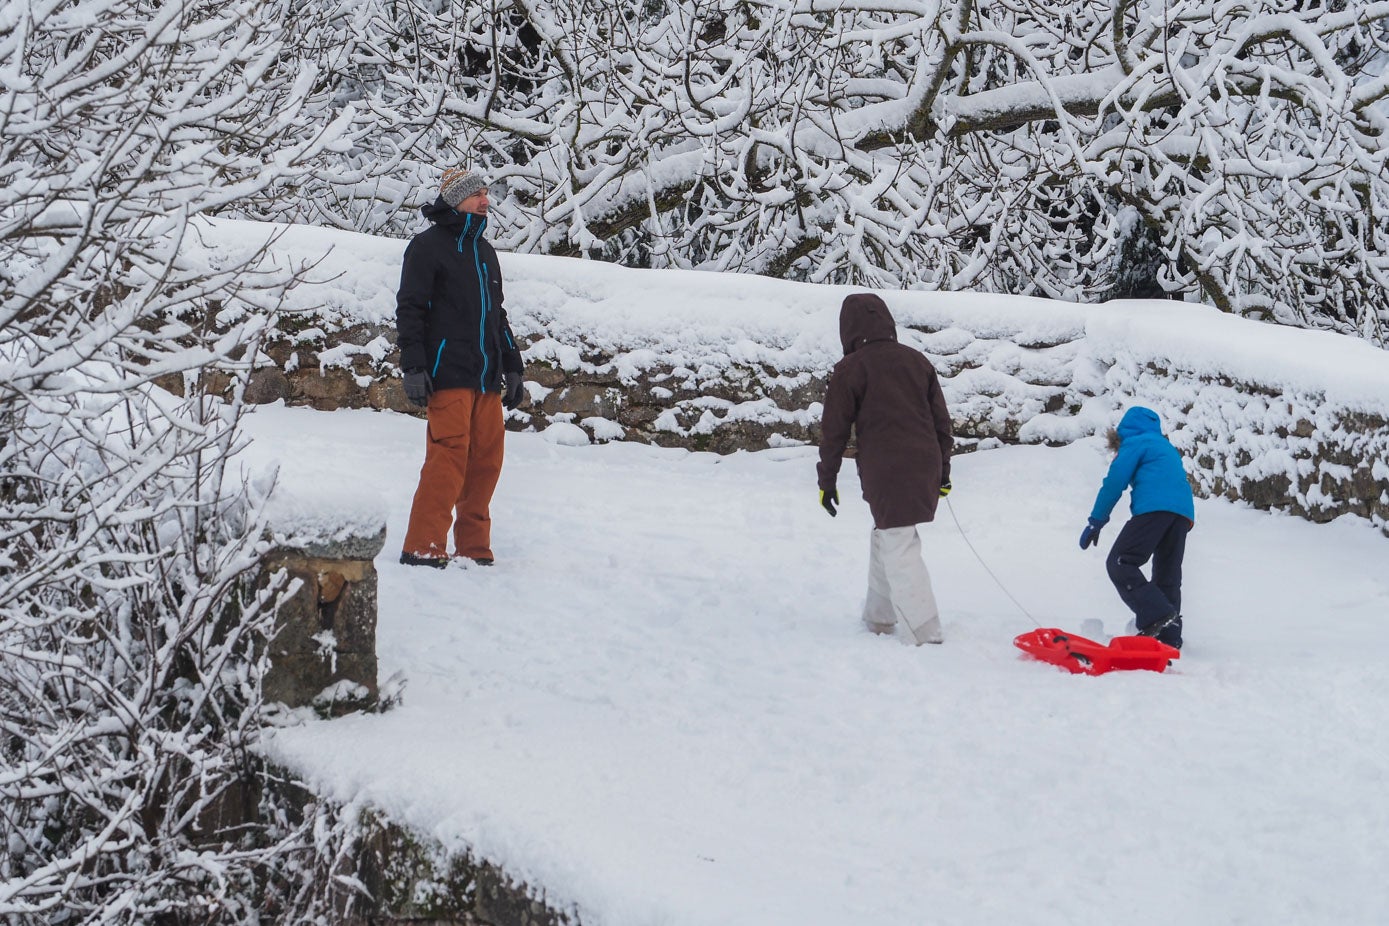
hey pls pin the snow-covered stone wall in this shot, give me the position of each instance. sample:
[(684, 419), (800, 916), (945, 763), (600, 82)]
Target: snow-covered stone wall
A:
[(1279, 417)]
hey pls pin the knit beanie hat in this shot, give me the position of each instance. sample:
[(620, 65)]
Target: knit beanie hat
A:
[(457, 185)]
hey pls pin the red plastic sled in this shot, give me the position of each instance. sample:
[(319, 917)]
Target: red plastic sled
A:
[(1086, 657)]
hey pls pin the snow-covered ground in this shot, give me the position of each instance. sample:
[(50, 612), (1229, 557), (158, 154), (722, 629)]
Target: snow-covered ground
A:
[(659, 705)]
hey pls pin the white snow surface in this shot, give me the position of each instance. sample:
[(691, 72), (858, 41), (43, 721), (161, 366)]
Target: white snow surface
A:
[(659, 705), (318, 513)]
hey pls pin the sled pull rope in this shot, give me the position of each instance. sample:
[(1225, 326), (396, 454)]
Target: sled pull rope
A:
[(1004, 588)]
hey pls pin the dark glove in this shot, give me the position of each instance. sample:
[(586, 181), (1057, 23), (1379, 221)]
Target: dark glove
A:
[(515, 389), (828, 499), (1091, 535), (418, 387), (945, 488)]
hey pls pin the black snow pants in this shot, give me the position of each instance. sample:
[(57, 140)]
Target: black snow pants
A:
[(1160, 536)]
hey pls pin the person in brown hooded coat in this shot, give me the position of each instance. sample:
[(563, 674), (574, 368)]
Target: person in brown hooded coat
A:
[(889, 395)]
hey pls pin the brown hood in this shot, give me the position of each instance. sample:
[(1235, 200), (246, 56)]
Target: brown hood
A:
[(864, 317)]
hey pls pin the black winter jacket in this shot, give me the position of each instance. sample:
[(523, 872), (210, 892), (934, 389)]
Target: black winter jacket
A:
[(449, 316)]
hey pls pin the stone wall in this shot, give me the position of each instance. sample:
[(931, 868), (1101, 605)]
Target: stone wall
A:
[(1245, 441), (1270, 448), (723, 410), (324, 657), (413, 881)]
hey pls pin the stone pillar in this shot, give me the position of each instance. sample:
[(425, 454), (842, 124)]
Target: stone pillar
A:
[(324, 652)]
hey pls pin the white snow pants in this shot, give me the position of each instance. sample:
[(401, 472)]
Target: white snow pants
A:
[(899, 586)]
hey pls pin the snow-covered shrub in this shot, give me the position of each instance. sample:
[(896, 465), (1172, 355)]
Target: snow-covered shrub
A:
[(132, 636), (1229, 152)]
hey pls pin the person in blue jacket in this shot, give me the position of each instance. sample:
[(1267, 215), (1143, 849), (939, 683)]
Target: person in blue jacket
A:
[(1163, 512)]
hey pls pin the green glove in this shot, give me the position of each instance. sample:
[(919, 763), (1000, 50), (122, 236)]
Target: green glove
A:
[(828, 500), (945, 488)]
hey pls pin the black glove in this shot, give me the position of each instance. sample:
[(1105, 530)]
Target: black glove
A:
[(515, 389), (418, 387), (828, 499)]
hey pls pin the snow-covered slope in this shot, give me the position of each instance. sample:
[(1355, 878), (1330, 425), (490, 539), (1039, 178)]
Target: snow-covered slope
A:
[(659, 705)]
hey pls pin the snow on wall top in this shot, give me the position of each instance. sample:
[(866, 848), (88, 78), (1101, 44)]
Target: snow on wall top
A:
[(326, 514), (694, 319)]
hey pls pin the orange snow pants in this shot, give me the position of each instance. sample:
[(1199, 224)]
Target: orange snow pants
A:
[(462, 462)]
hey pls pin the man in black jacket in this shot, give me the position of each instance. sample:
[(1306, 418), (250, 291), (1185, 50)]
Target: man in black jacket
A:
[(461, 362)]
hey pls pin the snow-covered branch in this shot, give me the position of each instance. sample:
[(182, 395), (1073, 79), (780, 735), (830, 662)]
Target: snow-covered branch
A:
[(1080, 149), (133, 623)]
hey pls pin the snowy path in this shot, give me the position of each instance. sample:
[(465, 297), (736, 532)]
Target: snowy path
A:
[(659, 704)]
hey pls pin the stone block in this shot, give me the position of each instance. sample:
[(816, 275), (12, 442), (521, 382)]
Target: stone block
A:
[(638, 416), (545, 374), (388, 393), (584, 400), (266, 385), (326, 631), (328, 389)]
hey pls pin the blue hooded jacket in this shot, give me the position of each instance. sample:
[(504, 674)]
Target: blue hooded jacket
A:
[(1151, 465)]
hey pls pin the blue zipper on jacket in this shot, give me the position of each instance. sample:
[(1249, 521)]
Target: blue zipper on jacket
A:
[(482, 322), (439, 354), (482, 281)]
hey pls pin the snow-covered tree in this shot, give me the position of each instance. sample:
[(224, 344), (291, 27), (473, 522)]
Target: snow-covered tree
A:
[(1229, 151), (132, 622)]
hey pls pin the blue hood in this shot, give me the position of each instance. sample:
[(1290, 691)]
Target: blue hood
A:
[(1139, 420)]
